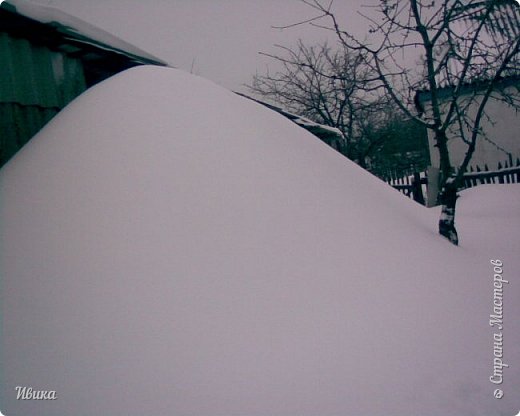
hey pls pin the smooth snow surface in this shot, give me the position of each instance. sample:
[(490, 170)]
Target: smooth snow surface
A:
[(170, 248)]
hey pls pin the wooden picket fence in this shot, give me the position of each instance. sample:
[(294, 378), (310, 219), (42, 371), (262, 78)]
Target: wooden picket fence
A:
[(505, 173), (414, 185)]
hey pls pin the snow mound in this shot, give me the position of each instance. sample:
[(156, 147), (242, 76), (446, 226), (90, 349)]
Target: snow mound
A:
[(171, 248)]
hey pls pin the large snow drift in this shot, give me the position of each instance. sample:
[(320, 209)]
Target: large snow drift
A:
[(170, 248)]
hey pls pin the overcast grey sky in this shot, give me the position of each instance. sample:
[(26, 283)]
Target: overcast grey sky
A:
[(217, 39)]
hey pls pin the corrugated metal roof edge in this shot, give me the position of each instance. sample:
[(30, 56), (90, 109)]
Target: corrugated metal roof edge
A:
[(70, 27)]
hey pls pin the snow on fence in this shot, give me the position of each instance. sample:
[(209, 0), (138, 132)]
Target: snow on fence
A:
[(414, 185), (503, 174)]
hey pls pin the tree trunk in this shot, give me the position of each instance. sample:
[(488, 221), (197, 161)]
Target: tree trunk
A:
[(448, 199), (449, 187)]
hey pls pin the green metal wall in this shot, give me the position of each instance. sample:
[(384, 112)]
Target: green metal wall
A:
[(35, 83)]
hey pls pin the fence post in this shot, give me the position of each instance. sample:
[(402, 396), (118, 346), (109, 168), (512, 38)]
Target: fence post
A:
[(501, 175), (468, 182), (417, 188), (433, 186)]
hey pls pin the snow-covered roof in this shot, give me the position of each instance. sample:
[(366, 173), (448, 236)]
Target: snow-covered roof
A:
[(72, 27), (320, 130), (501, 28)]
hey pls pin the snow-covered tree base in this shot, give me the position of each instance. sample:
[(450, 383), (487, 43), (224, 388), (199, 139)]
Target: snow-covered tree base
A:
[(447, 220)]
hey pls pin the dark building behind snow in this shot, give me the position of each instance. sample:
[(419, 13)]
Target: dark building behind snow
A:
[(47, 59)]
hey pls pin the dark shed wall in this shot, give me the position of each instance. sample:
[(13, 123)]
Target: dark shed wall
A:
[(35, 83)]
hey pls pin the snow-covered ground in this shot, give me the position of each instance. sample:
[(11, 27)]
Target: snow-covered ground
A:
[(171, 248)]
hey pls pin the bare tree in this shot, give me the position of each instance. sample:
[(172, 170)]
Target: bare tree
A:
[(330, 86), (462, 43)]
